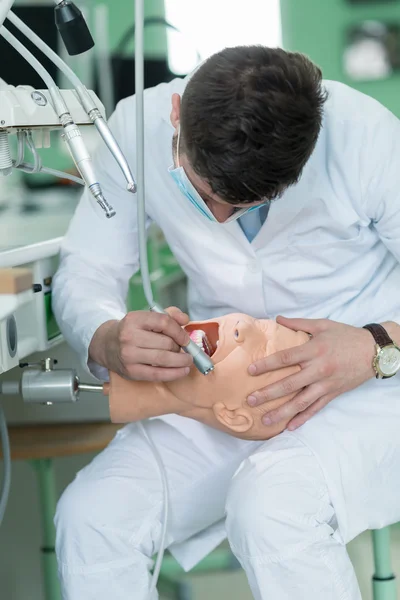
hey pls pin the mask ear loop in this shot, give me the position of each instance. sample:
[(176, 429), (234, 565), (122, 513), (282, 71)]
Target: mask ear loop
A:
[(177, 145)]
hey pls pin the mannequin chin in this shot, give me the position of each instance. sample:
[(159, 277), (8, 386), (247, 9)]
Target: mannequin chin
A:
[(218, 399)]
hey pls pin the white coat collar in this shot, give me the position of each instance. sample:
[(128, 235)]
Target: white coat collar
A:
[(282, 211)]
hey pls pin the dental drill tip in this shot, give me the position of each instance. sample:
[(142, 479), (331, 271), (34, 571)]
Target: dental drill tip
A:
[(110, 213), (203, 367), (201, 360), (108, 209), (95, 190), (131, 187)]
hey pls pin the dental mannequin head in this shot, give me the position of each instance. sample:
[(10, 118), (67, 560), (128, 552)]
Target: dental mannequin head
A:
[(220, 398)]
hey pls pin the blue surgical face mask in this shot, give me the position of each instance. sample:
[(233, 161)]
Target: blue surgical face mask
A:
[(187, 188)]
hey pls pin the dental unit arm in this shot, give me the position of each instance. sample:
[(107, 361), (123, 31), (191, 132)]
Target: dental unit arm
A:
[(25, 110), (42, 384), (70, 22)]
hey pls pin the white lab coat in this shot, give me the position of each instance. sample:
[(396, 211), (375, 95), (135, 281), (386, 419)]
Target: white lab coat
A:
[(329, 248)]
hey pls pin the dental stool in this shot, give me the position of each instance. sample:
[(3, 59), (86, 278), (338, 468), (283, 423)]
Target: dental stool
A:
[(383, 581), (39, 445)]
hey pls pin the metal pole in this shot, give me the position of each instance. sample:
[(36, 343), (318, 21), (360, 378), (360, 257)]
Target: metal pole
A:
[(47, 499), (383, 581)]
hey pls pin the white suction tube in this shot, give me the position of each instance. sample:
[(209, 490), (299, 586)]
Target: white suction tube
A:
[(200, 359), (144, 267), (5, 6), (5, 446)]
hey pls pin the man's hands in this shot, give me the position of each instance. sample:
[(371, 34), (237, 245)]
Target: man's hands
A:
[(144, 346), (338, 358)]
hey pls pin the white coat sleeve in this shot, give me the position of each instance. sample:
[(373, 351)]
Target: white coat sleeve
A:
[(381, 179), (381, 175), (99, 255)]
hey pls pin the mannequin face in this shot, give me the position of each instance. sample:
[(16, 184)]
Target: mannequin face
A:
[(234, 342), (218, 399), (255, 338)]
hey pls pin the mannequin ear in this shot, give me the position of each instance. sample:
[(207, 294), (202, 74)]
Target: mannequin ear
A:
[(239, 420)]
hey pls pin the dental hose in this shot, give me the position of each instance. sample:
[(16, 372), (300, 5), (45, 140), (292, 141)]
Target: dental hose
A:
[(200, 358), (5, 447), (144, 267)]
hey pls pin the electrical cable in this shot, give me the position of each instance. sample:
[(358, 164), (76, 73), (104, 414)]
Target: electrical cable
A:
[(139, 97), (37, 167), (144, 268), (201, 360), (5, 446), (21, 148), (164, 479), (29, 168), (36, 156)]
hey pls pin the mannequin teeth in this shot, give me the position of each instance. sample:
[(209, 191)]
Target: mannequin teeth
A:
[(207, 346), (200, 338)]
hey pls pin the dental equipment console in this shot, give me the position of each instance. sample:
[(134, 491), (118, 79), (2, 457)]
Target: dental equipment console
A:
[(31, 114), (24, 110)]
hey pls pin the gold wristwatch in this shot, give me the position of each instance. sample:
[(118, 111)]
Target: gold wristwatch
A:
[(386, 361)]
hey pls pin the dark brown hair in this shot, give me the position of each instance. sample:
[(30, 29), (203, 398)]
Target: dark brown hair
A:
[(250, 119)]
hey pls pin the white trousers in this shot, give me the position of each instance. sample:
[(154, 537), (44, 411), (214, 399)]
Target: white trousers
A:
[(279, 518)]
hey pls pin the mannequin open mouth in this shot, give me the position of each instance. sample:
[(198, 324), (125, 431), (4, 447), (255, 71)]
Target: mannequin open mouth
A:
[(206, 337)]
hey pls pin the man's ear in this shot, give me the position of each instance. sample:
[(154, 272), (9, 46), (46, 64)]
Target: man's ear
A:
[(239, 420), (175, 110)]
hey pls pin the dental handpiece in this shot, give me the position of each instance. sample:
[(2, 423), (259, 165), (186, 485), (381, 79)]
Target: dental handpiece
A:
[(200, 359), (81, 156)]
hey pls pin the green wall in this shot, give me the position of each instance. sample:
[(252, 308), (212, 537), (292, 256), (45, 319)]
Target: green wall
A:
[(318, 28), (122, 14)]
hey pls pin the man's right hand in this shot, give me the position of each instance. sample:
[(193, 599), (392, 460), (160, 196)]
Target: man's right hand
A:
[(144, 346)]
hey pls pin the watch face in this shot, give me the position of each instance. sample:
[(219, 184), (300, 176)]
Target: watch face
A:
[(389, 360)]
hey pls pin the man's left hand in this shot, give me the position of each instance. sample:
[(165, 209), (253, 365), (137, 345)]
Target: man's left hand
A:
[(338, 358)]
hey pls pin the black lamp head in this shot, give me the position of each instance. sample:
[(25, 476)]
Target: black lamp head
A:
[(72, 28)]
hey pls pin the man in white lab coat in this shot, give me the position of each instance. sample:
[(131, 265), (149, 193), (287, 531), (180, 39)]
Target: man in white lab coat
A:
[(252, 125)]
